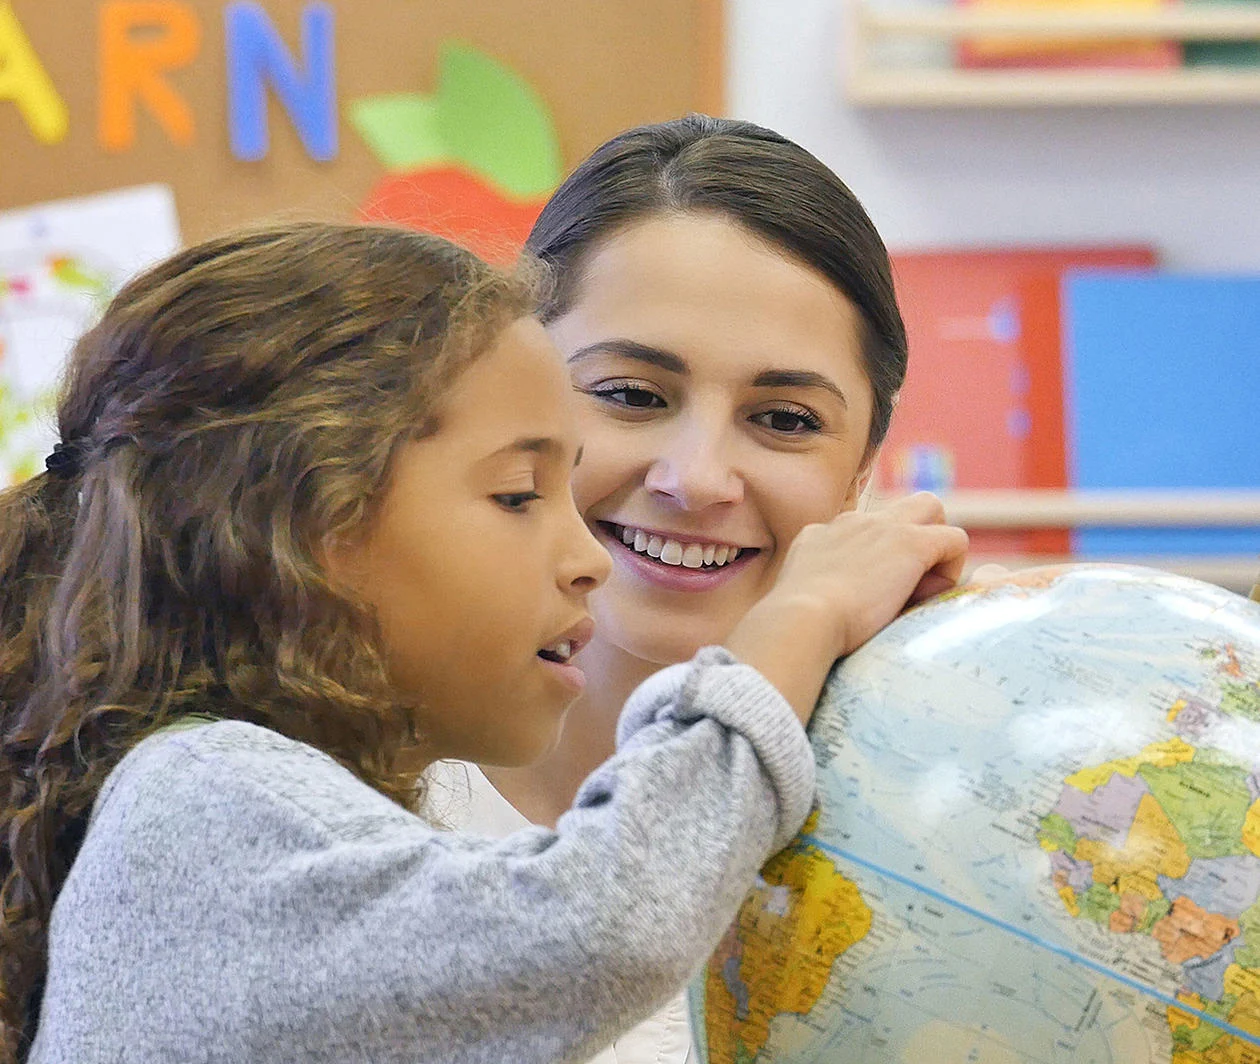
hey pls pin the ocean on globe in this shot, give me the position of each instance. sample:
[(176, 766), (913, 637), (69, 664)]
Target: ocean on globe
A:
[(1037, 839)]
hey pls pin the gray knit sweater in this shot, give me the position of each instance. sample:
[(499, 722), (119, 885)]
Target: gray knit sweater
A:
[(242, 897)]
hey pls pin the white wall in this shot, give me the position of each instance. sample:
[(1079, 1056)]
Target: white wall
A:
[(1186, 178)]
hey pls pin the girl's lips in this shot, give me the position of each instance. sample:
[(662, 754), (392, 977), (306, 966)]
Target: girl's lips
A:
[(671, 577), (568, 674)]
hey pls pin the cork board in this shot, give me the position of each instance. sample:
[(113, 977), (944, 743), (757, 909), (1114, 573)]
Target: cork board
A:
[(599, 66)]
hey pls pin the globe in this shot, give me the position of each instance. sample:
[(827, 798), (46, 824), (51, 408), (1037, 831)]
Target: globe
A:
[(1037, 838)]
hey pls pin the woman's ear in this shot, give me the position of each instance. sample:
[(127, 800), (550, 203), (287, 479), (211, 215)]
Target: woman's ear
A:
[(861, 481)]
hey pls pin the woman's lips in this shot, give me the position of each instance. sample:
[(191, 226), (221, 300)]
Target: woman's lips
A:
[(671, 577)]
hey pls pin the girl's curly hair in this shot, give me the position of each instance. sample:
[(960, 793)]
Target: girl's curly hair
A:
[(237, 405)]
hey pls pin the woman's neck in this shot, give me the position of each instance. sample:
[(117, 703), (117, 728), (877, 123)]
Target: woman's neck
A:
[(541, 792)]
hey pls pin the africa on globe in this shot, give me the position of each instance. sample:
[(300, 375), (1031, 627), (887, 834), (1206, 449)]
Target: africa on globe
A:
[(1037, 839)]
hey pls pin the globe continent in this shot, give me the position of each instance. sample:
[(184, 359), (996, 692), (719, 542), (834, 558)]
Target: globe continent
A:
[(1037, 839)]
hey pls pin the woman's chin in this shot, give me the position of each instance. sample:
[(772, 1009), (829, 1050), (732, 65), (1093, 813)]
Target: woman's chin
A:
[(664, 647)]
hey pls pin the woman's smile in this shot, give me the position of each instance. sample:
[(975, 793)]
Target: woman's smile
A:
[(674, 561)]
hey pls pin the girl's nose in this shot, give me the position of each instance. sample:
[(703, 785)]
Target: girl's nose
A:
[(586, 563)]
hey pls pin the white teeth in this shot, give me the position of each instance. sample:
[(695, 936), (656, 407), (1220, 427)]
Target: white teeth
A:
[(674, 552), (562, 650)]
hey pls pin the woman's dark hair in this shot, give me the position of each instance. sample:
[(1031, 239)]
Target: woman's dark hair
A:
[(759, 179), (236, 406)]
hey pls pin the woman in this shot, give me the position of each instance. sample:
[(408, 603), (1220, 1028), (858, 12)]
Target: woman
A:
[(726, 309)]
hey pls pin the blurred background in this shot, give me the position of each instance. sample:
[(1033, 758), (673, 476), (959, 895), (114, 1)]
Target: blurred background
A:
[(1068, 188)]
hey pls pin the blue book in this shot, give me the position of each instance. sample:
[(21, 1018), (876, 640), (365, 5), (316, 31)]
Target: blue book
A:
[(1162, 387)]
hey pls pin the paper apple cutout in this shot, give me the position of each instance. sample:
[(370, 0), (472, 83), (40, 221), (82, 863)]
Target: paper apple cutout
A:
[(474, 162), (453, 203)]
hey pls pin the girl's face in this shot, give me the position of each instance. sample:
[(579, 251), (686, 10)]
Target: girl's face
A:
[(723, 406), (477, 563)]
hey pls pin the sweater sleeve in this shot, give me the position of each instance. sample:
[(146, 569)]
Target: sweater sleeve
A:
[(241, 896)]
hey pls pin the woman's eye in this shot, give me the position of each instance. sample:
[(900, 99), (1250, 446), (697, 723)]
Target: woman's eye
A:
[(628, 396), (789, 422), (516, 501)]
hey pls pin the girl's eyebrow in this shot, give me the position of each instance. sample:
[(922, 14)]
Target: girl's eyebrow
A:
[(653, 356), (534, 444), (544, 445)]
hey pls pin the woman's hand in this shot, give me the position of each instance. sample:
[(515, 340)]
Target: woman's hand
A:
[(840, 583)]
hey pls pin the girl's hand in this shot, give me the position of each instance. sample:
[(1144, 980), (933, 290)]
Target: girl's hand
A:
[(840, 583)]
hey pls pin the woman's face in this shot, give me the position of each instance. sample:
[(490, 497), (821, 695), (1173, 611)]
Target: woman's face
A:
[(723, 406)]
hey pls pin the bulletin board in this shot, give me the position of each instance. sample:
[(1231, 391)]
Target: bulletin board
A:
[(600, 67)]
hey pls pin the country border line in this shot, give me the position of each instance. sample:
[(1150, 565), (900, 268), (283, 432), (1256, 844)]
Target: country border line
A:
[(1036, 940)]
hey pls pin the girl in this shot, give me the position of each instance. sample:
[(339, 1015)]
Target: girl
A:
[(308, 529), (726, 310)]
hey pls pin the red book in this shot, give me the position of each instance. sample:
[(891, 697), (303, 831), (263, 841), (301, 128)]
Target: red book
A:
[(982, 407), (1055, 53)]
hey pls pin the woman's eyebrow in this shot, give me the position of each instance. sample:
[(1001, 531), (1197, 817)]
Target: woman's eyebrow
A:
[(654, 356), (798, 378), (667, 360)]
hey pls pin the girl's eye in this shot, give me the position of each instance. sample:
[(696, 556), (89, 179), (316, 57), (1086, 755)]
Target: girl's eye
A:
[(789, 420), (516, 501), (620, 393)]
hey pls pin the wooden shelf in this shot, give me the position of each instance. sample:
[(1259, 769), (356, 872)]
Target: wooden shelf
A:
[(1022, 510), (1039, 509), (1217, 22), (871, 85), (1025, 89)]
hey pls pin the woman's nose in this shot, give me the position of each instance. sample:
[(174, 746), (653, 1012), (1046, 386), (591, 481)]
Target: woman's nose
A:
[(694, 471)]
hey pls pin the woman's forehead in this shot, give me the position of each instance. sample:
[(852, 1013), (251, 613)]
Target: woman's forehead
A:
[(700, 288), (702, 263)]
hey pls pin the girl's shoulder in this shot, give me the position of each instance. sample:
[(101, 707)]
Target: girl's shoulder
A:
[(199, 745), (233, 771)]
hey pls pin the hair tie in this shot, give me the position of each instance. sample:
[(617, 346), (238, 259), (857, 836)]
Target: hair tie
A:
[(64, 461)]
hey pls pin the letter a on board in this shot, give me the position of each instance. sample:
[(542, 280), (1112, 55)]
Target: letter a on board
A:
[(256, 56), (24, 81), (133, 64)]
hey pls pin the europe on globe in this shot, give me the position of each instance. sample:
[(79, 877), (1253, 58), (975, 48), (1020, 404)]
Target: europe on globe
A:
[(1037, 839)]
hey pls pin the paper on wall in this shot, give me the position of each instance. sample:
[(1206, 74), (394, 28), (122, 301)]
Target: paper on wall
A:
[(60, 263)]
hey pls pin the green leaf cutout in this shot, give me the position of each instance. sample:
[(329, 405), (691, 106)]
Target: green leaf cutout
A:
[(401, 129), (483, 116)]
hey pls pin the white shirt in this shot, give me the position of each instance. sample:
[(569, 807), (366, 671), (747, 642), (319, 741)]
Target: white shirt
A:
[(461, 798)]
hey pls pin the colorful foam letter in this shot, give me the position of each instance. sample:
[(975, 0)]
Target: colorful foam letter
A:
[(24, 81), (133, 65), (256, 56)]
